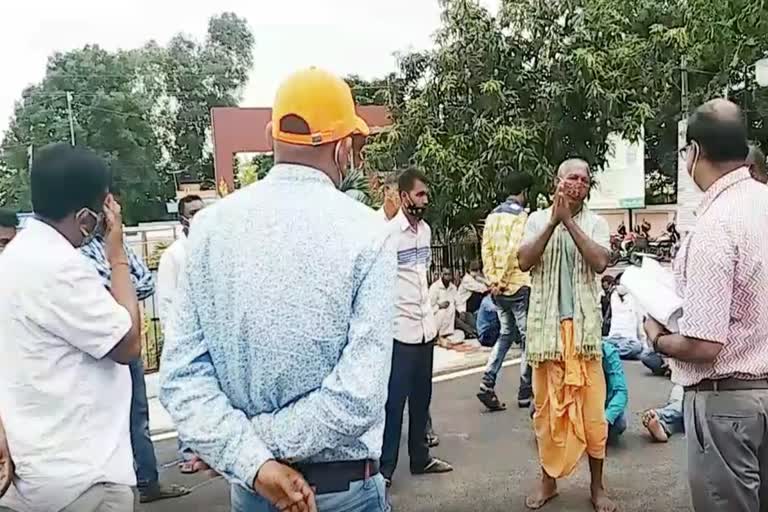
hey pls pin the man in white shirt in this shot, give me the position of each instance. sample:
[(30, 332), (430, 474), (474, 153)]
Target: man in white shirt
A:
[(472, 289), (626, 331), (172, 260), (65, 389), (442, 298), (415, 334)]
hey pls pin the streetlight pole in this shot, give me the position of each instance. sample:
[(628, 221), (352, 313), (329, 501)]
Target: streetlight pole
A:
[(71, 118)]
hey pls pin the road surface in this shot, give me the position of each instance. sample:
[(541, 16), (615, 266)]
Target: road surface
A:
[(495, 459)]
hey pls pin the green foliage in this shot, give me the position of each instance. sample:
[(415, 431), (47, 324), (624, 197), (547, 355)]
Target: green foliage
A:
[(146, 110)]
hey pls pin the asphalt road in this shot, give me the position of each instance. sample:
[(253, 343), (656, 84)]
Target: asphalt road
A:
[(495, 460)]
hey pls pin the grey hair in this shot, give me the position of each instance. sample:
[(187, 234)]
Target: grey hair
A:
[(572, 163)]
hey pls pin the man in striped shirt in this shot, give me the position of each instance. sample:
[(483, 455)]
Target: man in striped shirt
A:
[(510, 288)]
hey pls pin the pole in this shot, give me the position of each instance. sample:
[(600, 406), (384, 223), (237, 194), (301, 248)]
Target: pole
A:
[(684, 100), (71, 118)]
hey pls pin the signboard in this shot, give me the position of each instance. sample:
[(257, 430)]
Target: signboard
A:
[(688, 194), (622, 182)]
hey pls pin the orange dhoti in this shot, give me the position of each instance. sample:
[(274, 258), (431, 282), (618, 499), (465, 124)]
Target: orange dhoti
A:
[(569, 396)]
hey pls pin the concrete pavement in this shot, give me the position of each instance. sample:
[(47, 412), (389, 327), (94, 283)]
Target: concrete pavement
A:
[(495, 459)]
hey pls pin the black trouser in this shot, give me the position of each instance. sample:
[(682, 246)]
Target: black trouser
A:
[(411, 380)]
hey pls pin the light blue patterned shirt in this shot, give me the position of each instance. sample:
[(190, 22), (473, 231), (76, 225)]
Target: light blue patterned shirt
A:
[(280, 342)]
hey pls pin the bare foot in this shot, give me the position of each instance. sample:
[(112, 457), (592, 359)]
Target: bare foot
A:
[(545, 491), (652, 423), (601, 502)]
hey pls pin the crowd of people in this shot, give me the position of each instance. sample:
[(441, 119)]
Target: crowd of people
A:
[(299, 401)]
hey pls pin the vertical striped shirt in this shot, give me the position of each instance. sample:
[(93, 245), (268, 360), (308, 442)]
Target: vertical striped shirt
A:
[(722, 275)]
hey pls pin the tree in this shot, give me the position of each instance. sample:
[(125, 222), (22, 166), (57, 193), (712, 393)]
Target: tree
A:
[(522, 91), (146, 110)]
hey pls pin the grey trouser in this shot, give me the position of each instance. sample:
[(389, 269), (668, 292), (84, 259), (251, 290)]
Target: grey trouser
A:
[(101, 498), (727, 450)]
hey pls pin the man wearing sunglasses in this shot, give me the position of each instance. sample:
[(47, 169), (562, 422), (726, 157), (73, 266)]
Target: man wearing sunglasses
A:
[(145, 460)]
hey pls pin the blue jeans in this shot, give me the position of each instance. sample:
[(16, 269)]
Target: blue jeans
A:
[(671, 415), (144, 460), (618, 428), (654, 362), (629, 349), (513, 319), (362, 496)]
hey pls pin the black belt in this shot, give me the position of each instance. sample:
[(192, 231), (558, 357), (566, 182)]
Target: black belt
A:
[(728, 384), (330, 477)]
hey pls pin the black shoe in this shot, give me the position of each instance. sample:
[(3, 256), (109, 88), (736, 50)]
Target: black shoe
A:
[(523, 403), (490, 400), (432, 440), (434, 466)]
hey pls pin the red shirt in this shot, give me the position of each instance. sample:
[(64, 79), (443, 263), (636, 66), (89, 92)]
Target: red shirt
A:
[(722, 275)]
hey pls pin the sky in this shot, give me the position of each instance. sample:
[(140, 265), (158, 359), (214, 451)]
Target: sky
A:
[(343, 36)]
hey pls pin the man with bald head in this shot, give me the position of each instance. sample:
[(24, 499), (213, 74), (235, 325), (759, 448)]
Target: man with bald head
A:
[(565, 247), (286, 398), (757, 164), (719, 354)]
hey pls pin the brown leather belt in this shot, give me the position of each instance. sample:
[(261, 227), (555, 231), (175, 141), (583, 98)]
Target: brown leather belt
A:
[(728, 384)]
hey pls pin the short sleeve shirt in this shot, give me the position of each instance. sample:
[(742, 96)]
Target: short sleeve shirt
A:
[(722, 275), (65, 405), (600, 234)]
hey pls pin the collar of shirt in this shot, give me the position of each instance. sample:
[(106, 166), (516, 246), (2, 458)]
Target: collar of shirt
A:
[(405, 224), (44, 230), (511, 205), (721, 185), (298, 173)]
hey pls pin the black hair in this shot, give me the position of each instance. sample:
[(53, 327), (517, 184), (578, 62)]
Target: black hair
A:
[(721, 138), (617, 279), (519, 183), (408, 178), (8, 218), (607, 279), (65, 179), (184, 201)]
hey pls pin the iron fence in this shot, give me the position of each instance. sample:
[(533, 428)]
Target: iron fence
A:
[(454, 256)]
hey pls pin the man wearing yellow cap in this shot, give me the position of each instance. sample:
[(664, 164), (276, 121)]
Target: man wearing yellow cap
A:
[(286, 397)]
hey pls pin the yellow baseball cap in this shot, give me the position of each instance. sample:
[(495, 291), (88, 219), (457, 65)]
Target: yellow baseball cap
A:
[(323, 102)]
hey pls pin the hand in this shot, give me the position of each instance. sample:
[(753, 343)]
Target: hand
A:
[(284, 487), (561, 209), (7, 468), (113, 226), (444, 305), (654, 329)]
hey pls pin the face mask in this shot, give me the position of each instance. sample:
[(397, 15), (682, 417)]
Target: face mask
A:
[(89, 235), (696, 154), (621, 290), (412, 209)]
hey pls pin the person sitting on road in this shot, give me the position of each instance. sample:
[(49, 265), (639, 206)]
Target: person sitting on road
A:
[(607, 283), (442, 298), (472, 290), (626, 331), (662, 423)]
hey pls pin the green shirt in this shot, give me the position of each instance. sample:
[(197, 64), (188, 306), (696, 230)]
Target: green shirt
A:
[(567, 261)]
